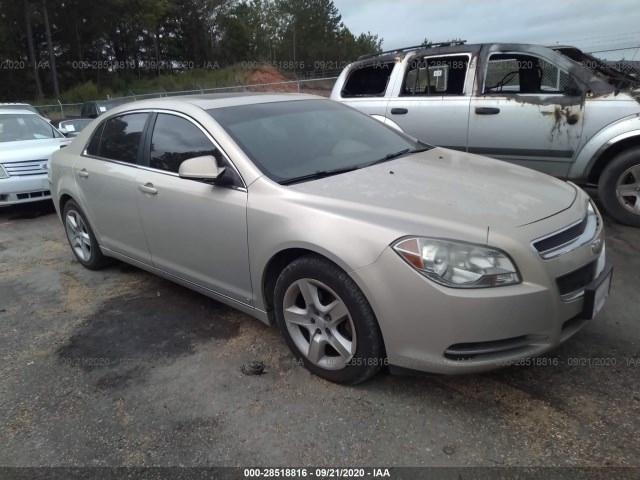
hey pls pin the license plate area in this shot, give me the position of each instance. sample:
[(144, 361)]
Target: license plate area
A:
[(596, 293)]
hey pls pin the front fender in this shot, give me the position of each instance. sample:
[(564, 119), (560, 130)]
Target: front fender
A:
[(597, 145)]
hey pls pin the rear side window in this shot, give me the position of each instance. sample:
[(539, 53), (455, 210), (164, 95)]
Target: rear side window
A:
[(175, 140), (94, 144), (368, 81), (121, 137), (436, 75)]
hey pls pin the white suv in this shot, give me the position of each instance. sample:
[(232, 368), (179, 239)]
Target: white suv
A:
[(26, 142)]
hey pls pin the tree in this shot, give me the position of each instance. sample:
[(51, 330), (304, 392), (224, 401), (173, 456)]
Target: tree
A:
[(107, 44), (30, 49), (52, 57)]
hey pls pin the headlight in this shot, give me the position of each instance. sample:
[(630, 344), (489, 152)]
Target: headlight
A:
[(458, 264), (3, 173)]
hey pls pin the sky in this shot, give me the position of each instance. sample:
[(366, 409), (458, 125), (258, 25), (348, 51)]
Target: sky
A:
[(591, 25)]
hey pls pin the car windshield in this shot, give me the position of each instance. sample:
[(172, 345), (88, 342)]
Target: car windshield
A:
[(16, 127), (295, 139)]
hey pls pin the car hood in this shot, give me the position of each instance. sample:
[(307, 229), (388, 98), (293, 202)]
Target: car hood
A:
[(450, 186), (30, 149)]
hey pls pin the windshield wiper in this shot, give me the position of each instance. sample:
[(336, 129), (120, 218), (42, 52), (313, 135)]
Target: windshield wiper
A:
[(391, 156), (318, 174)]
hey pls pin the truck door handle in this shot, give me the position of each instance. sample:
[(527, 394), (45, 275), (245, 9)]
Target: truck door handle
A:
[(487, 111), (148, 188), (83, 173), (399, 111)]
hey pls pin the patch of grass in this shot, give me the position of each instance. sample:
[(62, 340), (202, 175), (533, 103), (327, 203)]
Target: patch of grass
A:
[(186, 80)]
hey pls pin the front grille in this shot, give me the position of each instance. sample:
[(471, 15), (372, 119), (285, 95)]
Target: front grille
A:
[(561, 238), (24, 196), (28, 167), (577, 280)]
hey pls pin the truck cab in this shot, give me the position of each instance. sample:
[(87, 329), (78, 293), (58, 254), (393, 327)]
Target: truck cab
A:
[(555, 110)]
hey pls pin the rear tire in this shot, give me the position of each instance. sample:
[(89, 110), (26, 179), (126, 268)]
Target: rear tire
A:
[(327, 322), (81, 238), (619, 187)]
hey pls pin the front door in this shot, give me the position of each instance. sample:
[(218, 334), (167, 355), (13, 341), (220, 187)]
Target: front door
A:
[(527, 111), (195, 231)]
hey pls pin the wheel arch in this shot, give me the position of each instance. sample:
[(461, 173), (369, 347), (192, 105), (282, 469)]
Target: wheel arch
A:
[(278, 262), (64, 198), (609, 154)]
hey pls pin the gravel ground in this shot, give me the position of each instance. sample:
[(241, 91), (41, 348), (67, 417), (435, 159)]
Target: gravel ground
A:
[(122, 368)]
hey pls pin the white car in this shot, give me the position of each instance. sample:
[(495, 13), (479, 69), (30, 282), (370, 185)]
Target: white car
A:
[(26, 142)]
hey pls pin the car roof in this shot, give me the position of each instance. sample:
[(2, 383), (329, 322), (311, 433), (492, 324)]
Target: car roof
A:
[(217, 100), (438, 48), (7, 111)]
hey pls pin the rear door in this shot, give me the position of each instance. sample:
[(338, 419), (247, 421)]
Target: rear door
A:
[(432, 100), (105, 176), (196, 231), (527, 111)]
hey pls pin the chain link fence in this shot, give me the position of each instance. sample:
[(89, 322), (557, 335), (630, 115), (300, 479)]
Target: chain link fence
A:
[(316, 86)]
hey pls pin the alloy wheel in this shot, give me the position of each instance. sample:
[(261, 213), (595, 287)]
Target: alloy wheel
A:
[(628, 189), (78, 235), (319, 324)]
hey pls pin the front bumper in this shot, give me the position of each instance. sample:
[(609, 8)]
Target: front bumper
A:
[(428, 327), (23, 189)]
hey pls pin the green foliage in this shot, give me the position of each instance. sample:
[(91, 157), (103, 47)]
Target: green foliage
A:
[(113, 46), (81, 92)]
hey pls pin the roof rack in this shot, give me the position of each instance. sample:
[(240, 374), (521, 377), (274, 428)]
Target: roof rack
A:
[(404, 49)]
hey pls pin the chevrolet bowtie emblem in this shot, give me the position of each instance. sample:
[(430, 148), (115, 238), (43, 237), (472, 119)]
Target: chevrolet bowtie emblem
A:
[(596, 247)]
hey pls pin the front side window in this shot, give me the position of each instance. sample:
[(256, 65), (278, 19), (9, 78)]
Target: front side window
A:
[(436, 75), (93, 148), (121, 137), (175, 140), (517, 73)]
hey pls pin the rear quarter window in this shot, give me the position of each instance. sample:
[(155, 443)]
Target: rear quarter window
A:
[(119, 138), (368, 81)]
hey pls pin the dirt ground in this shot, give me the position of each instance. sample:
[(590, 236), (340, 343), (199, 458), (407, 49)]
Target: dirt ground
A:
[(122, 368)]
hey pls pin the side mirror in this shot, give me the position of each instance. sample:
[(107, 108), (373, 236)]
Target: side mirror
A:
[(201, 168)]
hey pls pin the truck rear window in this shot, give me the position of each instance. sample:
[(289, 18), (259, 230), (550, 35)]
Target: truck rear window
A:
[(368, 81)]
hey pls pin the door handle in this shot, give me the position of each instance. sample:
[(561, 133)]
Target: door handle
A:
[(487, 111), (399, 111), (83, 173), (148, 188)]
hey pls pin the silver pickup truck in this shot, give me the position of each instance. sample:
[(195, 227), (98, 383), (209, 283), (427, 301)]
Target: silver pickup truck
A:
[(556, 110)]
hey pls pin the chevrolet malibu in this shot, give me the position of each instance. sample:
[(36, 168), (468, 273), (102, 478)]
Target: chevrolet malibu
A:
[(366, 247)]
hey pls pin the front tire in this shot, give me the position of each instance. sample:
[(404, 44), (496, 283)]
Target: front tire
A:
[(619, 187), (81, 238), (327, 322)]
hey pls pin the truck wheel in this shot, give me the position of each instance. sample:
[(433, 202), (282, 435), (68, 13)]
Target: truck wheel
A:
[(619, 187)]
